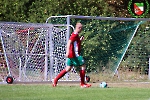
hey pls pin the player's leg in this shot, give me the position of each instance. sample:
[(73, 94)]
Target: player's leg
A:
[(63, 72), (83, 84), (82, 72), (60, 75)]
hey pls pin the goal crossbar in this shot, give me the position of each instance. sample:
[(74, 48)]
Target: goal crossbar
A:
[(97, 17)]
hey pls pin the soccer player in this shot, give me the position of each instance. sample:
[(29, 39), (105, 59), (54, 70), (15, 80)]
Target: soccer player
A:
[(73, 57)]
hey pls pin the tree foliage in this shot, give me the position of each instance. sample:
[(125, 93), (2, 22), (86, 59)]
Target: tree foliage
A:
[(39, 10)]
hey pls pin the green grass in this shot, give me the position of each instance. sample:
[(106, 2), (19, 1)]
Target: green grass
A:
[(46, 92)]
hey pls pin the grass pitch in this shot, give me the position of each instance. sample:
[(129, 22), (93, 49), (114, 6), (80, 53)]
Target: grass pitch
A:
[(72, 92)]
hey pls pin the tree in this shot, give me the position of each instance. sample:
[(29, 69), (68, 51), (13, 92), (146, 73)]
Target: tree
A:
[(13, 10)]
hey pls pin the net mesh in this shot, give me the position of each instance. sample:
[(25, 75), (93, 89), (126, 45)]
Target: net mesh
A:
[(3, 68), (107, 42), (24, 50), (59, 42), (33, 52)]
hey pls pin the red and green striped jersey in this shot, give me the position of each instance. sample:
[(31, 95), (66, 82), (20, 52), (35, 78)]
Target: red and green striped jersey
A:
[(74, 50)]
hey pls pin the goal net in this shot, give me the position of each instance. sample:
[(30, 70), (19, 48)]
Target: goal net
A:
[(106, 41), (33, 52)]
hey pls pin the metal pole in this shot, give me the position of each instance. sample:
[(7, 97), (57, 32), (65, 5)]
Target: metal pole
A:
[(46, 53), (51, 52), (54, 17), (67, 36), (5, 55), (127, 47), (20, 68), (68, 27), (109, 18), (26, 56), (101, 18)]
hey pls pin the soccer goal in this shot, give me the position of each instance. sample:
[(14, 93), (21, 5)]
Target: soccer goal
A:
[(107, 40), (32, 52)]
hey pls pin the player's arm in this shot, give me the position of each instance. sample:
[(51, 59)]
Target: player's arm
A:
[(68, 46)]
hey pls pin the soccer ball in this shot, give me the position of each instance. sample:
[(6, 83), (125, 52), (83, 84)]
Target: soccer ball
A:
[(103, 84)]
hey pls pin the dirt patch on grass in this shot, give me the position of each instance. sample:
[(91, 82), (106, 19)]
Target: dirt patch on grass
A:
[(128, 84), (112, 84)]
